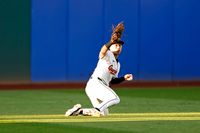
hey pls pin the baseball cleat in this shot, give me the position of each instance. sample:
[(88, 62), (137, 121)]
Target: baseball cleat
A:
[(73, 111), (96, 113)]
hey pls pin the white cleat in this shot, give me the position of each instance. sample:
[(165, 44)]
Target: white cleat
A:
[(73, 111), (96, 113), (91, 112)]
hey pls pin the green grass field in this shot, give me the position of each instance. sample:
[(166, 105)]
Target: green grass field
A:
[(146, 110)]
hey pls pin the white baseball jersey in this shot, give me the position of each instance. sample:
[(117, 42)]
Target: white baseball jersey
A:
[(107, 68)]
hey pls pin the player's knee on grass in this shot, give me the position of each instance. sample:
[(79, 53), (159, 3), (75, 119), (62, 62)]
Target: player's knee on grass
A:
[(105, 112), (107, 104)]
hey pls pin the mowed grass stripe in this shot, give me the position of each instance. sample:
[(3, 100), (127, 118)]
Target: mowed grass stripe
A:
[(111, 118)]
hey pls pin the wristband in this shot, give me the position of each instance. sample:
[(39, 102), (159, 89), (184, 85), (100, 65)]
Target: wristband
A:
[(108, 44)]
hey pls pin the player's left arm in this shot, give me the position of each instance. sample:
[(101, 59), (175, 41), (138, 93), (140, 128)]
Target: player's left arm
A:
[(126, 77), (105, 47), (116, 35)]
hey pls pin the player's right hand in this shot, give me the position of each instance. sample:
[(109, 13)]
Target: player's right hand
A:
[(128, 77)]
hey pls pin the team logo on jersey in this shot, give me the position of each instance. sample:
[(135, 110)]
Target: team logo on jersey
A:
[(112, 70)]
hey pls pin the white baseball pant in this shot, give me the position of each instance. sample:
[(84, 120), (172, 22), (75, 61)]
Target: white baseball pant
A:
[(101, 95)]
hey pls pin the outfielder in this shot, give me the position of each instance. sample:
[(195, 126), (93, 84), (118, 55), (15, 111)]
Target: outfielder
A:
[(98, 87)]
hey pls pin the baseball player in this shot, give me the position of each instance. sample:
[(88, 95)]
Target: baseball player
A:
[(106, 72)]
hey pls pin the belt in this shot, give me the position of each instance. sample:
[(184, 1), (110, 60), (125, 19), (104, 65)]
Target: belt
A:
[(100, 79)]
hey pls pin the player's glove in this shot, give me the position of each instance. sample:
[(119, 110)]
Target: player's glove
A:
[(117, 32)]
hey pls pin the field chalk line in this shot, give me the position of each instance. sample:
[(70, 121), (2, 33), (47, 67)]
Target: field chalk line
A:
[(115, 117)]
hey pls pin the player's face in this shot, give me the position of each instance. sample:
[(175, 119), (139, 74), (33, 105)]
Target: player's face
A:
[(116, 48)]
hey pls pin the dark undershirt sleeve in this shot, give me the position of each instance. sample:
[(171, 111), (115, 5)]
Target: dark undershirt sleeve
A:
[(117, 80)]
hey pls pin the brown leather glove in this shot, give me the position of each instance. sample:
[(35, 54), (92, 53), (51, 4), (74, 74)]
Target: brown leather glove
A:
[(117, 32)]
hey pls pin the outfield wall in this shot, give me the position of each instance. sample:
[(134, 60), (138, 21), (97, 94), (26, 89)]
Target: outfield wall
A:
[(15, 22), (61, 38)]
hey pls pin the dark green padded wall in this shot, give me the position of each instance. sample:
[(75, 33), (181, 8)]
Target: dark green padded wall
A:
[(14, 40)]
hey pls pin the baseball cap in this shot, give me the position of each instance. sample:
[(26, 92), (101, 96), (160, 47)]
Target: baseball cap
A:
[(119, 41)]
